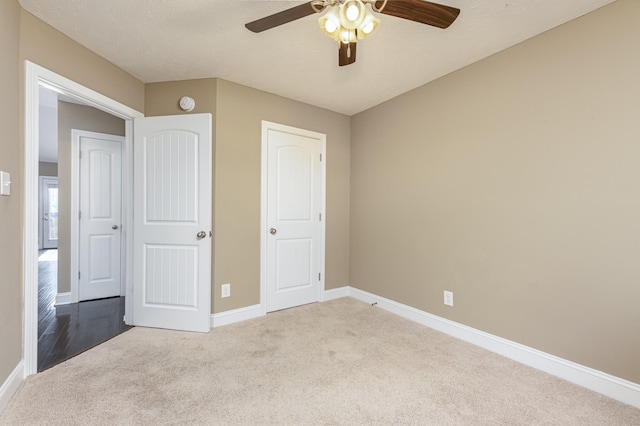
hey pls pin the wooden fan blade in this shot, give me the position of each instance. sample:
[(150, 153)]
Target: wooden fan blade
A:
[(280, 18), (346, 53), (421, 11)]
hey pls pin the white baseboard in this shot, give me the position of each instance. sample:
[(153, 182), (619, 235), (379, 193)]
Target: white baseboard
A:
[(606, 384), (63, 298), (236, 315), (598, 381), (255, 311), (11, 385), (335, 293)]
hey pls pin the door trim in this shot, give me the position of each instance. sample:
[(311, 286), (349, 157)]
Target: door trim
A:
[(36, 76), (75, 208), (266, 126)]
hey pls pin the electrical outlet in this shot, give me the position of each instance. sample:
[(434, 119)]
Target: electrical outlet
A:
[(448, 298), (225, 290)]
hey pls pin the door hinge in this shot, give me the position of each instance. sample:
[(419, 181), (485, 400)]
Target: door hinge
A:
[(320, 157), (319, 279), (78, 274), (320, 217), (79, 215)]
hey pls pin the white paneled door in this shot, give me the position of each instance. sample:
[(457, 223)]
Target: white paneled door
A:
[(294, 230), (100, 214), (172, 222)]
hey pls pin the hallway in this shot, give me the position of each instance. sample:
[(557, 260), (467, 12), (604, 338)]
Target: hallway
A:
[(67, 330)]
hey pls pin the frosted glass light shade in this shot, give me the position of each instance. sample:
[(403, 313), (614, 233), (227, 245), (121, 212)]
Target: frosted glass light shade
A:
[(330, 23), (368, 26), (352, 13)]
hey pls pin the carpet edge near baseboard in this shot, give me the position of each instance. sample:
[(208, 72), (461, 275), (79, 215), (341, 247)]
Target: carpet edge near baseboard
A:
[(606, 384)]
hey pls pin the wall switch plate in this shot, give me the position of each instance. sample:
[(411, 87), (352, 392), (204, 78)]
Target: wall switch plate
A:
[(448, 298), (225, 290), (5, 183)]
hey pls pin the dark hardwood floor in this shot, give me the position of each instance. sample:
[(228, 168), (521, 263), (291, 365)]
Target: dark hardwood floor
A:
[(67, 330)]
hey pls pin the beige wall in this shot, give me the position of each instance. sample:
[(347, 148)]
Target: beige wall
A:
[(48, 169), (164, 98), (514, 183), (238, 114), (79, 117), (44, 45), (22, 36), (10, 207), (237, 179)]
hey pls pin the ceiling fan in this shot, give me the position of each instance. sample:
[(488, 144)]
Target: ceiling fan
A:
[(349, 20)]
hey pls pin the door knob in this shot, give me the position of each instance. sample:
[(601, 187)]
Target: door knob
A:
[(273, 231), (200, 235), (114, 227)]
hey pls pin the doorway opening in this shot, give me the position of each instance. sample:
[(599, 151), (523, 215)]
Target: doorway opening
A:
[(35, 79), (71, 319)]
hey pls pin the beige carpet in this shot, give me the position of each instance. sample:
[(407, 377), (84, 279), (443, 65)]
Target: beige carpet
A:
[(341, 362)]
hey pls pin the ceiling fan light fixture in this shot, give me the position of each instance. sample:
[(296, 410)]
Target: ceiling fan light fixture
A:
[(348, 20), (360, 22)]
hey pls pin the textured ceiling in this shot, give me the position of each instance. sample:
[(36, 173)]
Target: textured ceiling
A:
[(164, 40)]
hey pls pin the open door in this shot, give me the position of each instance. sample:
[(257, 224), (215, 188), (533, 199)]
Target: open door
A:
[(172, 222)]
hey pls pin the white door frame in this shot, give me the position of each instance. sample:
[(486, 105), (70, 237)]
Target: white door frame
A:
[(42, 180), (36, 76), (75, 207), (266, 126)]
